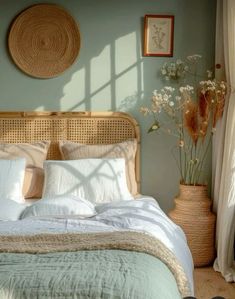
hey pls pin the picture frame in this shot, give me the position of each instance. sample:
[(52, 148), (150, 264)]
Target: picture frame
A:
[(158, 35)]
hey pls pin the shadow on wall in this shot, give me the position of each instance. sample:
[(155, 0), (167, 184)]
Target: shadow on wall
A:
[(108, 67)]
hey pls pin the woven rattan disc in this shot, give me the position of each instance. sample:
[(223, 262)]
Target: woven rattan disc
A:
[(44, 40)]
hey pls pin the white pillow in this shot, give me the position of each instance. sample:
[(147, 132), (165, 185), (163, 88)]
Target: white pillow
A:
[(10, 210), (61, 206), (12, 179), (96, 180)]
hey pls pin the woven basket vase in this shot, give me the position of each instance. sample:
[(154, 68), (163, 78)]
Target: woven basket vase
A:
[(193, 214)]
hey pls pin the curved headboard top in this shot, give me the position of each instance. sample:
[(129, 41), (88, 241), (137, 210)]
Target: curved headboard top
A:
[(83, 127)]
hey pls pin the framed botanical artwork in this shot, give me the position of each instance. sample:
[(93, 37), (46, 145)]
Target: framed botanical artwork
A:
[(158, 35)]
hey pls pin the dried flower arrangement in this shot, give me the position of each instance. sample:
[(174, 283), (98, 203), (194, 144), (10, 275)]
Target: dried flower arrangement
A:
[(191, 112)]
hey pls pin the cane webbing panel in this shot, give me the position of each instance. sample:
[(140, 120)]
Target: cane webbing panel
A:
[(84, 127)]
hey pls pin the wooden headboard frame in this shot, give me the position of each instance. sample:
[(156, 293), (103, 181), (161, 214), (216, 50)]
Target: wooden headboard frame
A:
[(84, 127)]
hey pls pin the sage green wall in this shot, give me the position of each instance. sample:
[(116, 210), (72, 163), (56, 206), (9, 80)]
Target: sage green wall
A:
[(110, 72)]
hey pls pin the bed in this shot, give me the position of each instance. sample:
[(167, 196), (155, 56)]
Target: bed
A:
[(92, 235)]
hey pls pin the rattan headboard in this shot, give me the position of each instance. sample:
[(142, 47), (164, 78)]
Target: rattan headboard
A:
[(84, 127)]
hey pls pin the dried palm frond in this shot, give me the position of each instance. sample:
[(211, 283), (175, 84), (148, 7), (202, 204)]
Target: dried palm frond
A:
[(191, 119), (203, 129), (218, 109), (204, 105)]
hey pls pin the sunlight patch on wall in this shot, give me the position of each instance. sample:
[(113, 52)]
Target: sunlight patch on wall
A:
[(125, 52), (74, 91), (133, 100), (100, 70), (141, 77), (102, 99), (40, 108), (129, 80)]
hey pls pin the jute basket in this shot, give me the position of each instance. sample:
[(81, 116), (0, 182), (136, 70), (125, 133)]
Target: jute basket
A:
[(193, 214)]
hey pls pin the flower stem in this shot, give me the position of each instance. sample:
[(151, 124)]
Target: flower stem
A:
[(177, 162), (204, 156), (194, 165)]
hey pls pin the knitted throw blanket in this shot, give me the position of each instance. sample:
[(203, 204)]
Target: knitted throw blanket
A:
[(132, 241)]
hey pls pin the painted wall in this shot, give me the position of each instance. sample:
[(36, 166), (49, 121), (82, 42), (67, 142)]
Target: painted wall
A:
[(111, 73)]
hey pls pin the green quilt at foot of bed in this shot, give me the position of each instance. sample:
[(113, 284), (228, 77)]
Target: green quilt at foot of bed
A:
[(98, 274)]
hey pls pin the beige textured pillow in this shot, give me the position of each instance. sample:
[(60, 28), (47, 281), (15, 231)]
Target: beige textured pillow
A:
[(33, 182), (35, 154), (127, 149)]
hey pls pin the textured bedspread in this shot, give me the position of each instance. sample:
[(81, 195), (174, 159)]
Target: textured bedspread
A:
[(106, 274), (83, 276), (36, 263)]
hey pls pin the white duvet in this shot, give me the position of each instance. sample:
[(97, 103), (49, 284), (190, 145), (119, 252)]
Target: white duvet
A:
[(143, 214)]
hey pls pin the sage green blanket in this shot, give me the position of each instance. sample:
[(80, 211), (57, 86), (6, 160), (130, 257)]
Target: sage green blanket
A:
[(104, 271)]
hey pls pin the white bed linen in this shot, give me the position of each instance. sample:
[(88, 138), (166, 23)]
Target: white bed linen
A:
[(67, 205), (143, 214)]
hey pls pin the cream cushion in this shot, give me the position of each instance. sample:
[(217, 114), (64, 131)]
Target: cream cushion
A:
[(35, 154), (33, 182), (95, 180), (127, 150)]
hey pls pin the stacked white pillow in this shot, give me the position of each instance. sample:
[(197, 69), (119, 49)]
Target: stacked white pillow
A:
[(96, 180), (11, 186), (71, 187), (12, 179), (60, 206)]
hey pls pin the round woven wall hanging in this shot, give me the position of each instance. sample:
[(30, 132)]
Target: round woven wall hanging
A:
[(44, 40)]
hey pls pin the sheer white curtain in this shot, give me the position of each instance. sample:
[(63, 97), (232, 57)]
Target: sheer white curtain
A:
[(223, 153)]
